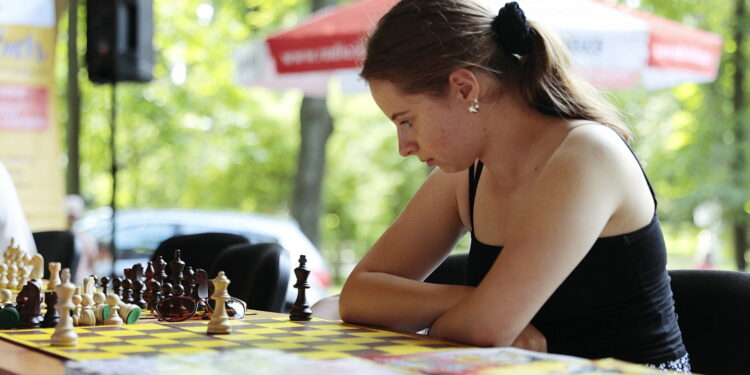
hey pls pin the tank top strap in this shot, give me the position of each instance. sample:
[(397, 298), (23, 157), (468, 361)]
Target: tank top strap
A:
[(648, 182), (473, 182)]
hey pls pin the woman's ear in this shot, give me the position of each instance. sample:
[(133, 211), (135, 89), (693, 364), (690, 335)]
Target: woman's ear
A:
[(465, 83)]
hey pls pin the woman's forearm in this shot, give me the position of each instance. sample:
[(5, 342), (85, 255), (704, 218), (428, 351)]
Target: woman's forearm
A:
[(386, 300)]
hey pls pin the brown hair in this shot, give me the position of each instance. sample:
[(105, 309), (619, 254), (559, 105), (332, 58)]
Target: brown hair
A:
[(418, 43)]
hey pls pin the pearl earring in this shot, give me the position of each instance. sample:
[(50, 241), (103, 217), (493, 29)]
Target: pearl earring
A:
[(474, 107)]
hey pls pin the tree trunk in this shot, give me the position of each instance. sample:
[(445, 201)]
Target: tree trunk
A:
[(316, 125), (73, 179), (739, 216)]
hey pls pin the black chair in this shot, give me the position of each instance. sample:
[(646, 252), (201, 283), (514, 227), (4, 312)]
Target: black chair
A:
[(259, 274), (58, 246), (713, 311), (197, 250)]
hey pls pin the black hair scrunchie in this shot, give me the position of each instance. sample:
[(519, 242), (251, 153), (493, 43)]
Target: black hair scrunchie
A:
[(514, 32)]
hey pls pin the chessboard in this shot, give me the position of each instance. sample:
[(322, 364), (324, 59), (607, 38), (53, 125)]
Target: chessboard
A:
[(317, 338)]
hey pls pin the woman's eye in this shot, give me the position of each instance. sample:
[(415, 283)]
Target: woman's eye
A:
[(405, 123)]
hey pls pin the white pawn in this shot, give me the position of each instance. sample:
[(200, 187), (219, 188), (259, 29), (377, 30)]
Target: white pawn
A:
[(65, 334), (6, 298), (87, 317), (220, 319), (113, 319), (54, 276), (99, 299), (11, 275), (3, 275), (77, 309)]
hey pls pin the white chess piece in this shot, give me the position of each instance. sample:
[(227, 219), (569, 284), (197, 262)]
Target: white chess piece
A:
[(89, 286), (99, 300), (37, 272), (54, 275), (77, 309), (113, 319), (65, 334), (6, 298), (219, 322), (3, 275), (87, 317)]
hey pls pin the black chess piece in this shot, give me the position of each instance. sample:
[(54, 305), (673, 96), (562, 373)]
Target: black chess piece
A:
[(138, 294), (29, 305), (154, 296), (176, 266), (116, 285), (160, 273), (105, 284), (200, 282), (149, 275), (137, 272), (187, 280), (127, 291), (301, 309), (166, 289), (51, 316)]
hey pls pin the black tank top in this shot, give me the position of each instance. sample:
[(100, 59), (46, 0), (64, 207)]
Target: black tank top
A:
[(616, 303)]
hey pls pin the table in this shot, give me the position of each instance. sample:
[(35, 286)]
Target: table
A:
[(318, 346)]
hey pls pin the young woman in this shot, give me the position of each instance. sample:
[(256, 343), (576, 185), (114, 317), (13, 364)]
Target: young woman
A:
[(567, 252)]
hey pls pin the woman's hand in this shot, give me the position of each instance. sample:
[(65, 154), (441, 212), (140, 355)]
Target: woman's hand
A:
[(531, 339)]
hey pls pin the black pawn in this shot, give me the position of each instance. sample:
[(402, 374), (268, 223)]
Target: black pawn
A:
[(176, 266), (154, 295), (116, 286), (187, 280), (166, 290), (105, 284), (127, 291), (51, 317), (300, 308), (138, 294)]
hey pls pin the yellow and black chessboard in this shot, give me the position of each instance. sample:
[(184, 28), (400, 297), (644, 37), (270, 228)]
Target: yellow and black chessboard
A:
[(317, 338)]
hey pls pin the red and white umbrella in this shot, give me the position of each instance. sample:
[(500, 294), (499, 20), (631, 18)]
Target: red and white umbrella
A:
[(613, 46)]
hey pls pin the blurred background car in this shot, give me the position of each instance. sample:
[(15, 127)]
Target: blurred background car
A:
[(140, 231)]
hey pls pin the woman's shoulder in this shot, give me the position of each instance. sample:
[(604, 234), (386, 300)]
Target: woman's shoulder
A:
[(595, 141)]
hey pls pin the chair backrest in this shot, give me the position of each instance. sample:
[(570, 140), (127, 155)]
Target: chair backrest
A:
[(58, 246), (451, 272), (197, 250), (713, 311), (259, 274)]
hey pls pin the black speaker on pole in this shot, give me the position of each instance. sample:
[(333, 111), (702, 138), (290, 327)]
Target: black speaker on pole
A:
[(118, 40)]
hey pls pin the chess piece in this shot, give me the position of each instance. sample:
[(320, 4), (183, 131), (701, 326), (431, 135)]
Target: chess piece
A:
[(166, 290), (87, 317), (159, 266), (9, 317), (187, 280), (219, 323), (176, 266), (127, 291), (65, 334), (301, 309), (149, 275), (6, 298), (116, 284), (11, 275), (37, 272), (129, 313), (29, 305), (3, 276), (54, 276), (105, 283), (113, 318), (51, 316), (89, 286), (138, 294), (154, 296), (101, 310), (77, 299)]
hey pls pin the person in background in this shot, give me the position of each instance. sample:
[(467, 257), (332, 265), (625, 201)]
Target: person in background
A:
[(567, 253), (75, 207), (13, 222)]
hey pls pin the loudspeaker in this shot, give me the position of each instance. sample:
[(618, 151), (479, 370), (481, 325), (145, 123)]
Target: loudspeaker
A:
[(118, 40)]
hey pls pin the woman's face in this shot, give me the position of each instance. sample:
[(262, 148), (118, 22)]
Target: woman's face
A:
[(432, 129)]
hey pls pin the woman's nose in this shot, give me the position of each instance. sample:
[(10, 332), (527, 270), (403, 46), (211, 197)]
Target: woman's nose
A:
[(406, 144)]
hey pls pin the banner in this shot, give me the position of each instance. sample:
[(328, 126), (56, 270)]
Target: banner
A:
[(29, 134)]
